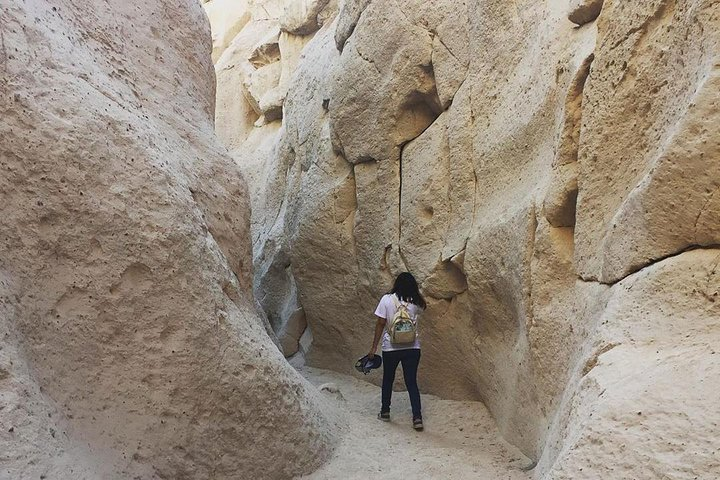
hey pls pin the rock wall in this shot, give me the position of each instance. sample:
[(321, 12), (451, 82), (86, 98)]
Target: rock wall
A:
[(131, 347), (549, 171)]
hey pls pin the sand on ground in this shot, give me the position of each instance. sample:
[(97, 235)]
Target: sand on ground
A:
[(460, 440)]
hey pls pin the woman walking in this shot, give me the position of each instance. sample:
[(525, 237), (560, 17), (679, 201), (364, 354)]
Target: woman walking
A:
[(397, 316)]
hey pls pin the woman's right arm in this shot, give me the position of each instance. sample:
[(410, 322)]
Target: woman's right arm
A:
[(379, 327)]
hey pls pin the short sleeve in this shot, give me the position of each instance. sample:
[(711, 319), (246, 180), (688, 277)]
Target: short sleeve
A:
[(381, 310)]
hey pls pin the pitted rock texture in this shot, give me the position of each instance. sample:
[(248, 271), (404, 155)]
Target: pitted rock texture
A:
[(646, 377), (529, 172), (584, 11), (648, 159), (130, 344)]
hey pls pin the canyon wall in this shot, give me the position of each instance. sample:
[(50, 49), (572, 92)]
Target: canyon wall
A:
[(130, 346), (549, 171)]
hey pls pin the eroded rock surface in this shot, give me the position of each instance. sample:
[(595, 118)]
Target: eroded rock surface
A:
[(531, 174), (646, 377), (648, 178), (584, 11), (130, 345)]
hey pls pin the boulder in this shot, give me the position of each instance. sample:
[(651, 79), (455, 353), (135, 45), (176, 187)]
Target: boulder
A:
[(131, 346), (301, 17), (584, 11)]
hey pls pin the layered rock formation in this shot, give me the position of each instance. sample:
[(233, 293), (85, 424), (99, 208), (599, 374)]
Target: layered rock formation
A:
[(548, 171), (130, 346)]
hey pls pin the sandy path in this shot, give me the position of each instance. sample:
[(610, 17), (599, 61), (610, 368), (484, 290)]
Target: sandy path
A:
[(460, 440)]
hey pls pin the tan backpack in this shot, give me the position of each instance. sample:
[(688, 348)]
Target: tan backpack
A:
[(402, 328)]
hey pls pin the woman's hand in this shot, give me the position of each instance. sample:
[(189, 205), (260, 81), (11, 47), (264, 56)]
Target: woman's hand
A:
[(371, 354)]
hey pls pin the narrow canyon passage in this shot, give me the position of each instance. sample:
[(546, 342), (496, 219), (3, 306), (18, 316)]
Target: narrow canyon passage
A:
[(460, 441), (518, 158), (203, 202)]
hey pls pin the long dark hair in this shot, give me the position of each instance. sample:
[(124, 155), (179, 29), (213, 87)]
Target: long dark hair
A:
[(406, 288)]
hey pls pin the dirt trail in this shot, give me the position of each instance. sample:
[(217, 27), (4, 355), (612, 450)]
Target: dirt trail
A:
[(460, 440)]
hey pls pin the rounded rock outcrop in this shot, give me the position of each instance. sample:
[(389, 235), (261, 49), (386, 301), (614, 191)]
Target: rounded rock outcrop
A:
[(131, 347)]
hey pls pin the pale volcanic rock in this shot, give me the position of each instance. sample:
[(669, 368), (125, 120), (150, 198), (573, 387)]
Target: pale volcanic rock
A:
[(292, 330), (234, 119), (648, 154), (228, 17), (348, 16), (532, 175), (327, 208), (584, 11), (561, 197), (645, 378), (391, 51), (259, 84), (266, 9), (126, 261), (267, 48), (447, 281), (36, 437), (301, 17), (462, 175), (290, 46), (451, 51), (423, 202)]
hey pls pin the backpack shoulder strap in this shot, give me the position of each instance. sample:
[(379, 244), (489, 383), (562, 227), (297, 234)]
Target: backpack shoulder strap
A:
[(395, 300)]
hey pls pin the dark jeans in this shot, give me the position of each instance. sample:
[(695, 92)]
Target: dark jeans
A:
[(410, 359)]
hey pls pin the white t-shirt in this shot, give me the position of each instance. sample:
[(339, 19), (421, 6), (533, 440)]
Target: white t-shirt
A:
[(386, 309)]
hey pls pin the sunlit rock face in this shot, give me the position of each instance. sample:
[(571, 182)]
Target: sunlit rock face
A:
[(549, 171), (130, 346)]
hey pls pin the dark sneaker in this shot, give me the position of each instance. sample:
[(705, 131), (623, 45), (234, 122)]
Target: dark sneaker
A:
[(384, 416), (417, 424)]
